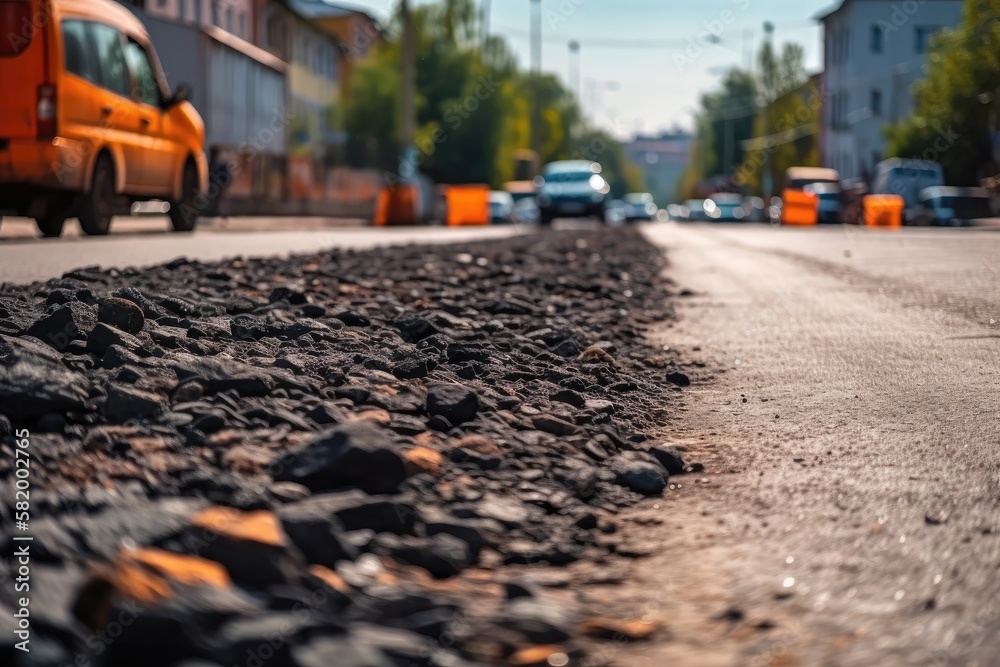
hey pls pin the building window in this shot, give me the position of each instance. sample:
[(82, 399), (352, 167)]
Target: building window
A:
[(923, 36), (876, 103), (878, 39), (243, 25), (182, 10), (216, 14), (198, 15), (229, 19)]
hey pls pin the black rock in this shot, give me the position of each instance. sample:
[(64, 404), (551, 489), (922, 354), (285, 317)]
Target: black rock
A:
[(670, 458), (351, 455), (679, 379), (318, 533), (640, 472), (415, 329), (121, 314), (454, 402), (442, 555), (353, 318), (124, 403), (569, 397), (63, 325), (355, 510), (34, 381), (539, 621), (104, 336)]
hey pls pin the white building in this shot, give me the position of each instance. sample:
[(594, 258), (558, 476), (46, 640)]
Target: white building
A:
[(874, 50)]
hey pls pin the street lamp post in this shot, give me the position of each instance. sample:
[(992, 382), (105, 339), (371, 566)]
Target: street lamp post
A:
[(765, 177), (408, 162), (574, 67), (536, 67)]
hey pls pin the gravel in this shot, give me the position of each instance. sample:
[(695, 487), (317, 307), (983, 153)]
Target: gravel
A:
[(237, 454)]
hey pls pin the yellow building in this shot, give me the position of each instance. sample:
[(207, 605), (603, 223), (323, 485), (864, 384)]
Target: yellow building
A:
[(357, 30)]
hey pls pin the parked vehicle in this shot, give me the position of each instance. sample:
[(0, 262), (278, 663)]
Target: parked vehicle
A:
[(756, 210), (696, 210), (572, 189), (87, 123), (725, 207), (907, 178), (678, 212), (640, 206), (501, 208), (616, 212), (828, 196), (951, 207), (526, 211)]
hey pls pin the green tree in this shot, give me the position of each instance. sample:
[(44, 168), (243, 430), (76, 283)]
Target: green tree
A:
[(957, 105)]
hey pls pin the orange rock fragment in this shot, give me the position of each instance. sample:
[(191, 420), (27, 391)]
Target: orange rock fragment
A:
[(260, 526), (535, 655), (330, 578), (608, 628), (189, 570), (423, 460)]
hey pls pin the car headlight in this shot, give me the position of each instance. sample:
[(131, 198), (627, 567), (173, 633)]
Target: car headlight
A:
[(738, 214), (597, 182), (651, 208), (714, 212)]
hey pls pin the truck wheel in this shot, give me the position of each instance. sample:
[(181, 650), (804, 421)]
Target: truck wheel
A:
[(184, 212), (51, 225), (96, 208)]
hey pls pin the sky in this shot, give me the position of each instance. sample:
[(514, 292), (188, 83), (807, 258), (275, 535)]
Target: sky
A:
[(644, 64)]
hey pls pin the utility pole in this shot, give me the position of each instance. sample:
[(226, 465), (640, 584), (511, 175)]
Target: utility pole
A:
[(765, 178), (536, 67), (574, 69), (486, 22), (408, 157)]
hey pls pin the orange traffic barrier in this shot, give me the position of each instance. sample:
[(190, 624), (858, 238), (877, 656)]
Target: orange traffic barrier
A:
[(467, 204), (397, 205), (799, 208), (884, 210)]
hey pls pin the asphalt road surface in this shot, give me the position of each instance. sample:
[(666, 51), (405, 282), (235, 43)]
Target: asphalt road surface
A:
[(850, 509), (845, 405), (146, 241)]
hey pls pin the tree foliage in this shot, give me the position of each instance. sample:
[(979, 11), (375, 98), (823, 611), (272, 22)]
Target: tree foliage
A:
[(957, 104), (473, 104)]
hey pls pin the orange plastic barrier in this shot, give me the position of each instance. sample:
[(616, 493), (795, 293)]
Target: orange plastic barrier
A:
[(884, 210), (397, 206), (799, 208), (467, 204)]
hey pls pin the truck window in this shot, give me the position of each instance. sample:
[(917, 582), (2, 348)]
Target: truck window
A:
[(77, 52), (146, 87), (110, 58)]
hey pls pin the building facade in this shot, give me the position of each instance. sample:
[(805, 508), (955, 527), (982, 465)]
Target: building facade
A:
[(662, 161), (233, 16), (874, 51)]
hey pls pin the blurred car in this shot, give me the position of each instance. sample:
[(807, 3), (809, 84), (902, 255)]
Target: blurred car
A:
[(952, 207), (828, 201), (678, 212), (907, 178), (526, 211), (571, 189), (501, 207), (640, 206), (725, 207), (696, 210), (88, 126), (615, 212), (756, 210)]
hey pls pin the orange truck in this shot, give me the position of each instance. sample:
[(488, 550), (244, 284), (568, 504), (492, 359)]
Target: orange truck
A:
[(88, 125)]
